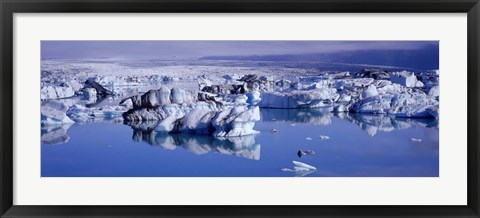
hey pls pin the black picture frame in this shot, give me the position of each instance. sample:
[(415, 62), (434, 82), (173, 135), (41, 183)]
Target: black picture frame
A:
[(9, 7)]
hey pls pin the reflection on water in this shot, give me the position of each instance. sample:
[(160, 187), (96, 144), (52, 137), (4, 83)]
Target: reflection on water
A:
[(55, 134), (316, 116), (374, 123), (243, 146), (358, 145), (370, 123)]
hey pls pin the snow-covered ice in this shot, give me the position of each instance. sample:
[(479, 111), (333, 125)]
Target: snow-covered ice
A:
[(324, 137), (226, 101), (416, 140), (300, 167), (54, 113), (299, 99)]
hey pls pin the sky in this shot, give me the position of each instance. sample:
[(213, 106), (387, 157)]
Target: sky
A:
[(194, 49)]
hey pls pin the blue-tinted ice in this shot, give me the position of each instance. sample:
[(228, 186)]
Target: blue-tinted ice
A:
[(357, 146)]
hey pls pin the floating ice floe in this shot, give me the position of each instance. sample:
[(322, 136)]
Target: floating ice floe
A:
[(308, 139), (416, 140), (301, 153), (300, 167), (324, 137)]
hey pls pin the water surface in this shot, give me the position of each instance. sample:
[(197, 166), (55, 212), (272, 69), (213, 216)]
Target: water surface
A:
[(359, 146)]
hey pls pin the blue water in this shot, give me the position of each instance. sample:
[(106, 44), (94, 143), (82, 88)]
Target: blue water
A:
[(359, 146)]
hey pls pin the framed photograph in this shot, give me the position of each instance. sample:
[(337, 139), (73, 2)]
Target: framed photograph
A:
[(239, 109)]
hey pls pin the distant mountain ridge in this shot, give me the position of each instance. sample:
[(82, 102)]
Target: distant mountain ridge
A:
[(426, 58)]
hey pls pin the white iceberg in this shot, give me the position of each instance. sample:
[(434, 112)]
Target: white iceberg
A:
[(405, 104), (300, 169), (434, 91), (253, 98), (53, 112), (60, 90), (237, 121), (370, 91), (405, 78), (299, 99), (201, 117), (82, 114), (324, 137)]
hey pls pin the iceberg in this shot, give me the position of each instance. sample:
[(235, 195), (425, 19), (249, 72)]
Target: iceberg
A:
[(299, 99), (370, 91), (53, 112), (237, 121), (405, 104), (405, 78), (61, 90), (430, 78), (82, 114), (434, 91), (163, 96), (183, 115), (55, 92)]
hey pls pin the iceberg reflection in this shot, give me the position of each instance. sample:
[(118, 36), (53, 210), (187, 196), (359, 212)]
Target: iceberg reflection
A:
[(241, 146), (316, 116), (55, 135), (245, 146), (370, 123), (384, 123)]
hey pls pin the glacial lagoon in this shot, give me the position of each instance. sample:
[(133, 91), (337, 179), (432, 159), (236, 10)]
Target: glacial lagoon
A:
[(358, 146), (239, 108)]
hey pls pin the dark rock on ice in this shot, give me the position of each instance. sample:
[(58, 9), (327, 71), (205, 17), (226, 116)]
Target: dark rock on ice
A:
[(99, 88), (372, 73), (301, 153)]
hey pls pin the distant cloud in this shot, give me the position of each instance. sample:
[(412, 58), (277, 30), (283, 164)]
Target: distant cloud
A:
[(190, 49)]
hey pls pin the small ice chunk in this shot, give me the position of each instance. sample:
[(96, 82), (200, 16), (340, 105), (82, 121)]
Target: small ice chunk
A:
[(324, 137), (308, 139), (416, 140), (299, 167), (301, 153)]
